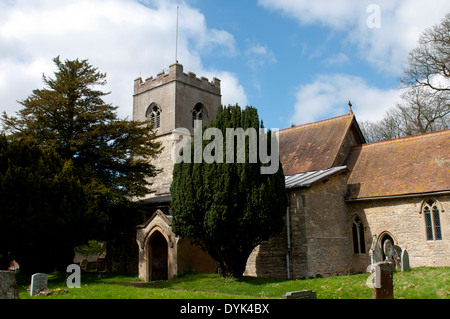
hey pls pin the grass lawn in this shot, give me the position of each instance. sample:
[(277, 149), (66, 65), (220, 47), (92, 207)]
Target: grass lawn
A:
[(418, 283)]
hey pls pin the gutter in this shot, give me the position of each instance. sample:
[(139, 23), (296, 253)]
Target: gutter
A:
[(397, 196)]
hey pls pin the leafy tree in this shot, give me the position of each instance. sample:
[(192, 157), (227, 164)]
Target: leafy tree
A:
[(92, 248), (45, 208), (70, 115), (228, 208), (109, 156)]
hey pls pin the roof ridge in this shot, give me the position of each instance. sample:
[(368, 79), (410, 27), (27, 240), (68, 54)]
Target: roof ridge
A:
[(403, 138), (317, 122)]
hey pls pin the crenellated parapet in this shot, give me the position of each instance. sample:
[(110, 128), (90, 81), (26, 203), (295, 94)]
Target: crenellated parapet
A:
[(176, 74)]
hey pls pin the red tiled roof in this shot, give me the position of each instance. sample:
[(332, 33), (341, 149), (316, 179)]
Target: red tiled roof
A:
[(409, 165), (314, 146)]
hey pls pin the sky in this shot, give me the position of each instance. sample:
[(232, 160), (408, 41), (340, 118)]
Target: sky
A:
[(296, 61)]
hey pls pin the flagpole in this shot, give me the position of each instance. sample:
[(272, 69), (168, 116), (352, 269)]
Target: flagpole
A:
[(176, 41)]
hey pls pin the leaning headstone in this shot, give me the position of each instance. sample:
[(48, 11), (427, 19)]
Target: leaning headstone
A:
[(8, 286), (301, 294), (397, 255), (383, 280), (38, 283), (405, 260), (387, 249)]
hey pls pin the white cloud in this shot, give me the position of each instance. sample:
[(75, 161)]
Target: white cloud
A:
[(328, 96), (338, 59), (123, 38), (259, 55), (233, 92), (385, 48), (336, 14)]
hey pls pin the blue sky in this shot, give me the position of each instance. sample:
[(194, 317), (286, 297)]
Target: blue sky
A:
[(296, 61)]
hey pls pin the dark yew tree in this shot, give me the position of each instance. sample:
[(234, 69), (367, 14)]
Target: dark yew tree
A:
[(110, 156), (71, 116), (228, 208), (45, 209)]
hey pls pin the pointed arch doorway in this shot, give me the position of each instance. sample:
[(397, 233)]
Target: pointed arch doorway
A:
[(158, 254)]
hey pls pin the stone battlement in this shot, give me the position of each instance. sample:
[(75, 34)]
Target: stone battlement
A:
[(176, 74)]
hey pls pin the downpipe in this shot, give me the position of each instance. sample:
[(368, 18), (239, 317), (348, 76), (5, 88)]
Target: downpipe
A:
[(288, 251)]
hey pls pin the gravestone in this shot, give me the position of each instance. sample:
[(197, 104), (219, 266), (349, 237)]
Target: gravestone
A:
[(84, 264), (405, 260), (397, 254), (38, 283), (388, 249), (8, 286), (375, 253), (383, 280), (301, 294)]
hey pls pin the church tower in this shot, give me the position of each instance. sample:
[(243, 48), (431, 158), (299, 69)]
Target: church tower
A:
[(173, 100)]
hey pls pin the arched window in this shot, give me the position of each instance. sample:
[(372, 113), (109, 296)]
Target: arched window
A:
[(359, 243), (199, 113), (431, 215), (153, 115)]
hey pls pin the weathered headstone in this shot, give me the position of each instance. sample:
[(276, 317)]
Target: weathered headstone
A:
[(387, 249), (301, 294), (376, 255), (38, 283), (405, 260), (8, 286), (397, 254), (383, 278), (84, 264)]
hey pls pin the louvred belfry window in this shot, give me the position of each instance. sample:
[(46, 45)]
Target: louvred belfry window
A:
[(153, 115), (199, 113)]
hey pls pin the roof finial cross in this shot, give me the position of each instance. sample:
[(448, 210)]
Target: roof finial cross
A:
[(350, 106)]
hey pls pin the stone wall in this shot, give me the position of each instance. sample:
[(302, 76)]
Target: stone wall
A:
[(402, 219), (320, 230), (162, 94), (319, 234), (193, 257), (176, 93), (187, 97), (269, 258), (161, 183)]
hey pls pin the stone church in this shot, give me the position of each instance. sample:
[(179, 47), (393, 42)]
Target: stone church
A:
[(344, 193)]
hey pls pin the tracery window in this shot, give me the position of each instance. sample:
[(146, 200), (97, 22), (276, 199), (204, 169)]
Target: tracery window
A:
[(359, 243), (431, 215), (153, 114)]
